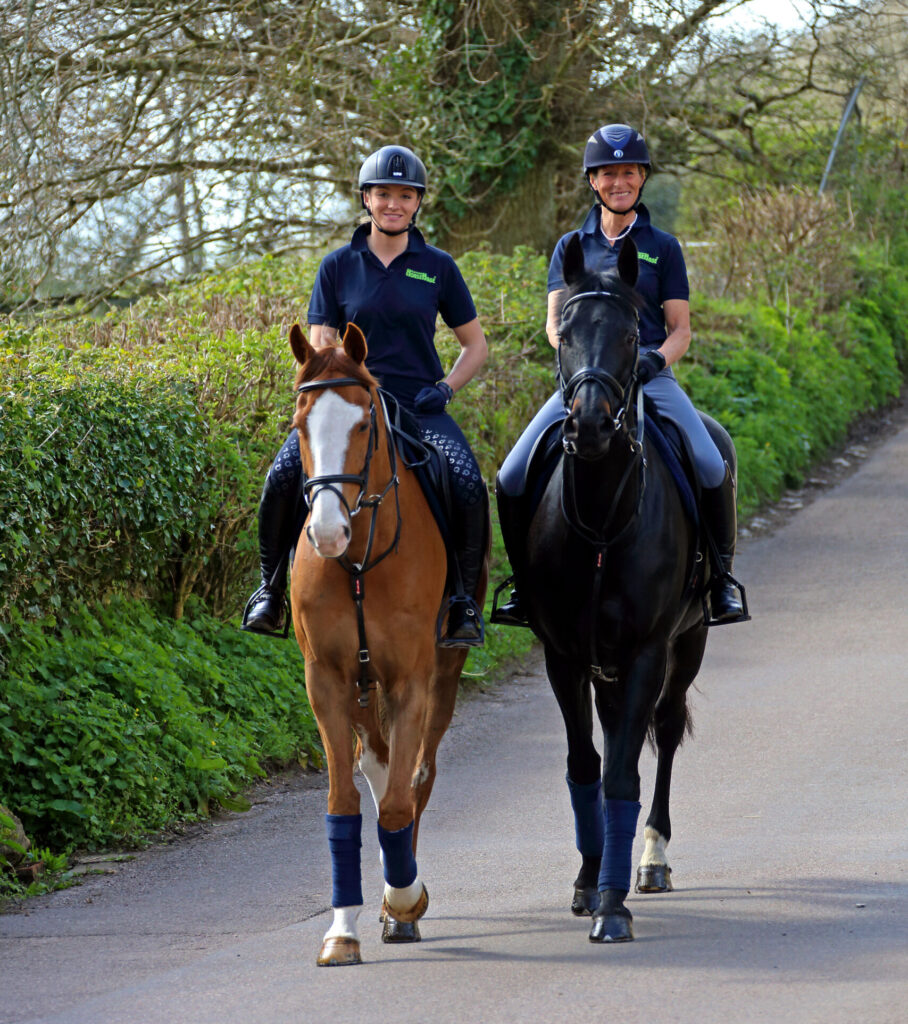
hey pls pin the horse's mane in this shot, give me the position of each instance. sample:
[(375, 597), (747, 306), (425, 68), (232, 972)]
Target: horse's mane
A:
[(333, 362)]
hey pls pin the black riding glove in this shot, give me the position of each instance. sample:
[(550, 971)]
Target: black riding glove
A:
[(650, 365), (434, 399)]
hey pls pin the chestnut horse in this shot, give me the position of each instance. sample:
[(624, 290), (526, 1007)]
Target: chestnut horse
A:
[(368, 579)]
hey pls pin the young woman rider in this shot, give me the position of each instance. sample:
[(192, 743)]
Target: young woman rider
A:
[(616, 163), (392, 284)]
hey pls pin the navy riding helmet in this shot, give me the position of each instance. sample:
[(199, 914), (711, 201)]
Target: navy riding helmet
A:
[(392, 165), (615, 144)]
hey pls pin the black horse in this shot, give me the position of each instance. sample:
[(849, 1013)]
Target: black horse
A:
[(611, 574)]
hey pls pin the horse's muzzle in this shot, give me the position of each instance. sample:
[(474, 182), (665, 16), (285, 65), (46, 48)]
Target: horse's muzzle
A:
[(329, 542)]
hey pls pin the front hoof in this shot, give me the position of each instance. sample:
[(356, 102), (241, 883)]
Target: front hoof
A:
[(613, 927), (407, 916), (339, 951), (585, 901), (400, 931), (654, 878)]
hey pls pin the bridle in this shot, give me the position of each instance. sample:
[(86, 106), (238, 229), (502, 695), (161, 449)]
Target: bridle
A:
[(606, 381), (332, 482)]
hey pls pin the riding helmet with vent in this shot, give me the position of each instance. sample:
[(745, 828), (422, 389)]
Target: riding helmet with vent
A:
[(615, 144), (393, 165)]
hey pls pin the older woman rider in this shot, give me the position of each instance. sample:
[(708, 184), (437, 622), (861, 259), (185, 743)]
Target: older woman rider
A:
[(616, 163)]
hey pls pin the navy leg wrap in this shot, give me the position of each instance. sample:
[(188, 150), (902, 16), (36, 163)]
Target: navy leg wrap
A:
[(589, 820), (399, 860), (620, 829), (344, 841)]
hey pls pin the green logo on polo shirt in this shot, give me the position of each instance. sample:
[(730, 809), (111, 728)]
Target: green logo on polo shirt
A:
[(420, 275), (646, 256)]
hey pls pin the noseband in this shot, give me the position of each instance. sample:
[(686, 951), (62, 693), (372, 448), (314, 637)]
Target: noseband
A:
[(610, 384)]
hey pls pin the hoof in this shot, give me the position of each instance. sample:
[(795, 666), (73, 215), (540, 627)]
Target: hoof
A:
[(407, 916), (613, 927), (654, 878), (339, 951), (400, 931), (585, 901)]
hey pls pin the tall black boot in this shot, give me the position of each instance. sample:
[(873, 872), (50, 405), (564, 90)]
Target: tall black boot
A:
[(720, 515), (512, 520), (465, 626), (278, 516)]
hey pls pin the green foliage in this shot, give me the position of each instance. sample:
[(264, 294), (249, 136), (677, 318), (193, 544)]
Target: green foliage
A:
[(122, 721), (479, 83)]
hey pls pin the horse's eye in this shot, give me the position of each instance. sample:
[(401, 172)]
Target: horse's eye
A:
[(363, 427)]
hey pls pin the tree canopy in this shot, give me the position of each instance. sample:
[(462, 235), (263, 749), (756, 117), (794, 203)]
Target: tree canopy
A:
[(143, 139)]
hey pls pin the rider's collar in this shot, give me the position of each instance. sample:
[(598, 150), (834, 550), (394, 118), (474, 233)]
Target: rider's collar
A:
[(591, 226)]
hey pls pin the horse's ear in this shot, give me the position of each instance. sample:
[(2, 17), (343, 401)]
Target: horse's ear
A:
[(299, 344), (355, 343), (573, 267), (628, 263)]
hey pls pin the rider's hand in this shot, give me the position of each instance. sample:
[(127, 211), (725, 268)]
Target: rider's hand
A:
[(434, 399), (650, 365)]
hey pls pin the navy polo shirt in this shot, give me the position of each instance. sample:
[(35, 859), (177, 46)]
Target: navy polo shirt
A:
[(663, 274), (395, 306)]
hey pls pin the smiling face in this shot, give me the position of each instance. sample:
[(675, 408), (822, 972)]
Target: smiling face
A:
[(618, 185), (392, 206)]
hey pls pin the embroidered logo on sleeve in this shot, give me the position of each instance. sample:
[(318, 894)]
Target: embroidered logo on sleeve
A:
[(420, 275)]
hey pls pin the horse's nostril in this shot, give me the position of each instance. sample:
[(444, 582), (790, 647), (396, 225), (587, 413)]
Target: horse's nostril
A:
[(346, 532)]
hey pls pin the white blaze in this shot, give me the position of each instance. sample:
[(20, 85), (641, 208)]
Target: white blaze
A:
[(328, 426)]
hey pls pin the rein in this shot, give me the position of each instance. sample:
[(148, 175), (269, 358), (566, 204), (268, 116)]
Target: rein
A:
[(330, 482), (600, 538)]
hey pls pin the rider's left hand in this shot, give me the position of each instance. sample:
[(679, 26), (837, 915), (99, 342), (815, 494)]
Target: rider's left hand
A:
[(434, 399), (650, 365)]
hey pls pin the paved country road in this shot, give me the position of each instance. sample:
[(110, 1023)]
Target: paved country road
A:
[(790, 851)]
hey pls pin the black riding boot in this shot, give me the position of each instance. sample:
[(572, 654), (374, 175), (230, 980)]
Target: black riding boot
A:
[(465, 625), (512, 520), (718, 507), (277, 516)]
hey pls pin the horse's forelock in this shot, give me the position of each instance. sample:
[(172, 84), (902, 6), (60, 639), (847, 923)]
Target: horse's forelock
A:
[(333, 362), (609, 281)]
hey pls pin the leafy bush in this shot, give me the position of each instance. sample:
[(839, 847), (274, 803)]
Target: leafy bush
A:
[(123, 721)]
